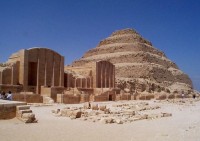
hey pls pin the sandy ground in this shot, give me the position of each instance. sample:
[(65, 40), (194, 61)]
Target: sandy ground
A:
[(184, 125)]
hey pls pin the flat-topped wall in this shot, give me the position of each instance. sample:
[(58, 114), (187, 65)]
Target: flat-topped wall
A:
[(68, 99), (12, 88), (72, 99), (8, 108), (29, 98), (51, 91)]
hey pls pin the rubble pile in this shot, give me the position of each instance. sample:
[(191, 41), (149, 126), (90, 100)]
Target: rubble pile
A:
[(116, 113)]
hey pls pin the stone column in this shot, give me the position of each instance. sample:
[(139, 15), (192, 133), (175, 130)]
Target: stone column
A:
[(45, 73), (105, 76), (90, 82), (23, 69), (113, 77), (86, 82), (81, 81), (12, 76), (53, 75), (61, 78), (1, 79), (96, 74), (101, 66), (38, 76), (68, 77), (75, 83), (110, 75)]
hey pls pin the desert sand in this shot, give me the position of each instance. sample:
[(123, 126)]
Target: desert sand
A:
[(183, 125)]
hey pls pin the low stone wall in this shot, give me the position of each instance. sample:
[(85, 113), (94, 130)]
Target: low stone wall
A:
[(8, 109), (29, 98), (99, 98), (84, 98), (12, 88), (68, 99), (51, 91), (171, 96), (125, 97), (161, 97)]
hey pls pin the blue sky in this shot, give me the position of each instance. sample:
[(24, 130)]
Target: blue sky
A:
[(72, 27)]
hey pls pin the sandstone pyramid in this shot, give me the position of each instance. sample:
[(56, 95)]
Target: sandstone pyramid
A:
[(139, 66)]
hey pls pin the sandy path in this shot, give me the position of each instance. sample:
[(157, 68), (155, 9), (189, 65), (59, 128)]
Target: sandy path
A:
[(184, 125)]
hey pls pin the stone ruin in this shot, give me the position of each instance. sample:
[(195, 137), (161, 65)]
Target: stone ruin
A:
[(25, 114), (124, 66), (107, 114), (38, 75), (140, 69)]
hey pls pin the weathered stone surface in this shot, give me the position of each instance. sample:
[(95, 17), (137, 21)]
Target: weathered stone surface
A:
[(28, 118), (139, 66), (102, 107), (34, 67), (87, 105), (95, 107), (166, 114), (116, 113), (25, 114), (118, 121)]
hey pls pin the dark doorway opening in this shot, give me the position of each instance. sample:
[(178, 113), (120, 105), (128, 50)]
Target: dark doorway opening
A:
[(32, 73), (110, 97)]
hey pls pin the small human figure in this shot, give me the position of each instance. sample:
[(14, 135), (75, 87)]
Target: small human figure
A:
[(9, 96), (194, 96), (89, 105), (3, 95), (183, 95)]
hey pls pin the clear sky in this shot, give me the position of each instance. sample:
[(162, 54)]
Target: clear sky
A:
[(72, 27)]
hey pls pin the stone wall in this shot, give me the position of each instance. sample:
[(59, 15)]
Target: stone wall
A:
[(8, 109), (100, 74), (102, 97), (33, 68), (68, 99), (28, 98), (72, 99), (51, 91), (12, 88)]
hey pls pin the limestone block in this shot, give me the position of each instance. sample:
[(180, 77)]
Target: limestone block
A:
[(107, 111), (28, 117), (106, 120), (87, 105), (129, 112), (21, 112), (102, 107), (95, 107), (166, 114), (69, 113), (118, 121), (23, 107), (171, 96), (77, 113)]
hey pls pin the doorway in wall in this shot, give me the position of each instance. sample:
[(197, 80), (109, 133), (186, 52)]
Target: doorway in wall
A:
[(32, 73)]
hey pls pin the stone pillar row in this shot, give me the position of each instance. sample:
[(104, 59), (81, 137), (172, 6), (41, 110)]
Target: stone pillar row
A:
[(82, 82), (61, 70), (106, 75)]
